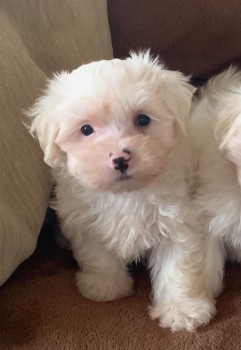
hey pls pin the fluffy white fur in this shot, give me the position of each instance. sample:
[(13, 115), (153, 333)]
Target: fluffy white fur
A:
[(216, 140), (113, 218)]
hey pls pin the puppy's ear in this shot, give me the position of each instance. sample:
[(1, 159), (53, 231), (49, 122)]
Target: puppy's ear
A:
[(178, 96), (174, 87), (227, 127), (45, 123)]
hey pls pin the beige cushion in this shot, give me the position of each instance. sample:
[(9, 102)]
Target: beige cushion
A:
[(37, 37)]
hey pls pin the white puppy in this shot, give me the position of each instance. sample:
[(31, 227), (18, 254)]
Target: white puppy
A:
[(216, 139), (114, 132)]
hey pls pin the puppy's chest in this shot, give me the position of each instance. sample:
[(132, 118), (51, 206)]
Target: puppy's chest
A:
[(130, 227)]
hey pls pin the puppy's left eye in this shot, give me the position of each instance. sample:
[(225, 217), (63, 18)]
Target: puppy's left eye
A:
[(87, 130), (142, 120)]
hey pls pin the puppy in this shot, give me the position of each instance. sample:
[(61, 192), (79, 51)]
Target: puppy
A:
[(216, 141), (114, 133)]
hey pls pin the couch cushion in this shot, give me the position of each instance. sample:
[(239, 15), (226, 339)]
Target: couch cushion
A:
[(37, 37), (61, 34), (196, 37)]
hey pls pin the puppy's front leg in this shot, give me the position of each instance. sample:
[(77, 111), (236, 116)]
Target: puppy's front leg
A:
[(180, 300), (103, 277)]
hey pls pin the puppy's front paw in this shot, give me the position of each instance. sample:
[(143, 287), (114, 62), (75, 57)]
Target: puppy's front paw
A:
[(184, 316), (104, 286)]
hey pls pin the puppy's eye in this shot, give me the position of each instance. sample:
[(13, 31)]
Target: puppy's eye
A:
[(87, 130), (142, 120)]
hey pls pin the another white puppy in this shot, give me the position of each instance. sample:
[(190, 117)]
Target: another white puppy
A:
[(216, 139), (114, 132)]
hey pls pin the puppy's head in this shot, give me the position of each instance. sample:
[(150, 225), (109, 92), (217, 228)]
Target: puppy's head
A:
[(112, 124)]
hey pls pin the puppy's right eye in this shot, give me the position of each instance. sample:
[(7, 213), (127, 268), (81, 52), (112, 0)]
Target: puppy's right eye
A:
[(87, 130)]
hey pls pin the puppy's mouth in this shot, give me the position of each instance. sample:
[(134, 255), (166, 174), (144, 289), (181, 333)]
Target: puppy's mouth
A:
[(124, 177)]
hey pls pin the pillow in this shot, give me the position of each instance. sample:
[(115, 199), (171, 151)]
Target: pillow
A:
[(37, 38)]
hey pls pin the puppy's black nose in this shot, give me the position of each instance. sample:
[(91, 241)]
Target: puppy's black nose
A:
[(120, 164)]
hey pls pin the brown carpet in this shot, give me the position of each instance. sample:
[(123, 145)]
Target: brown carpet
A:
[(42, 309)]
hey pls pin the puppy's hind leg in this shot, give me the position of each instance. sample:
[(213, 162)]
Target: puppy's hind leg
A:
[(103, 277)]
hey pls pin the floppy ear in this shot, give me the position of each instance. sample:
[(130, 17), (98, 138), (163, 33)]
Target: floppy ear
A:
[(175, 87), (179, 93), (227, 127), (45, 123)]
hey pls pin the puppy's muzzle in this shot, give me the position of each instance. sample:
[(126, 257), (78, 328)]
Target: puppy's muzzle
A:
[(120, 161)]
